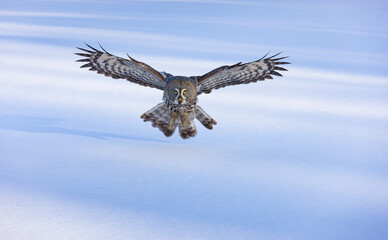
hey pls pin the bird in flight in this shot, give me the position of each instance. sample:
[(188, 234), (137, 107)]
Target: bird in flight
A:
[(180, 93)]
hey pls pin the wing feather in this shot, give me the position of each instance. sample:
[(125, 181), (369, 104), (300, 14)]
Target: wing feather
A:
[(117, 67), (240, 74)]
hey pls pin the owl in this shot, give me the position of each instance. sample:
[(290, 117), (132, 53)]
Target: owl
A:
[(180, 94)]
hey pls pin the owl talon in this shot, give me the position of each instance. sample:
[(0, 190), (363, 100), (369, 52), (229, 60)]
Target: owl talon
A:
[(171, 125)]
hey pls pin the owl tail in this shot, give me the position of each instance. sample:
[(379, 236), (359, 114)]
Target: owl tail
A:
[(160, 117), (187, 129)]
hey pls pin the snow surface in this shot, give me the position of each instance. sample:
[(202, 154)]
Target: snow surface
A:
[(299, 157)]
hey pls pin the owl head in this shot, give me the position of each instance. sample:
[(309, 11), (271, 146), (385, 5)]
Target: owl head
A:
[(180, 90)]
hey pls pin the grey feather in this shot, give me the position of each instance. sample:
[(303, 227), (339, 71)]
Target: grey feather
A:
[(83, 60), (239, 74), (86, 65), (116, 67), (204, 118), (179, 107), (280, 69)]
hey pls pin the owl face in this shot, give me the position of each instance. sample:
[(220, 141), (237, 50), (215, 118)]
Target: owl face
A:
[(180, 90)]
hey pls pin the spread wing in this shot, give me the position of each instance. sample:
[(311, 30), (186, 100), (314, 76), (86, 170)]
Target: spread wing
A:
[(240, 74), (117, 67)]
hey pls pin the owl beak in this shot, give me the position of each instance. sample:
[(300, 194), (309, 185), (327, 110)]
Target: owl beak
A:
[(180, 99)]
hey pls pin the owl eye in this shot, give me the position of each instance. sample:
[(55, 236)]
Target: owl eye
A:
[(184, 92), (176, 92)]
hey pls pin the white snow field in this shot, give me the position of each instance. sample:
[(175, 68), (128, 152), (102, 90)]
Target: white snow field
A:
[(299, 157)]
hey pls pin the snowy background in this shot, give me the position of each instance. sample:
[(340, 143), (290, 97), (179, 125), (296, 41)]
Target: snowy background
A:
[(299, 157)]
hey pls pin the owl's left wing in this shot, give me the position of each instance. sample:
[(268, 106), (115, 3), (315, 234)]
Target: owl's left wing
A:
[(240, 74), (117, 67)]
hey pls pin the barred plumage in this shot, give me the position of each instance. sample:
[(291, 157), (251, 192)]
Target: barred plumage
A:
[(179, 107), (240, 74), (117, 67)]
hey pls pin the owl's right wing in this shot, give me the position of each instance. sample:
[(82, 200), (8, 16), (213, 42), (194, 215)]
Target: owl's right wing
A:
[(117, 67), (240, 74)]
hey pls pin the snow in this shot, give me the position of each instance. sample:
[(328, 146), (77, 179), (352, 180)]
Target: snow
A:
[(298, 157)]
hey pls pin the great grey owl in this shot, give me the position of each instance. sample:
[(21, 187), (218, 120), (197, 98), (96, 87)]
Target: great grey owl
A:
[(179, 106)]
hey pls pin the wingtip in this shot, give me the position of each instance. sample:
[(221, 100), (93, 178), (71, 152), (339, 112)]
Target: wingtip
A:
[(82, 49), (102, 48), (279, 63), (82, 54), (131, 58), (91, 47), (275, 54), (83, 60), (280, 69), (277, 59), (276, 74), (264, 55), (86, 65)]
